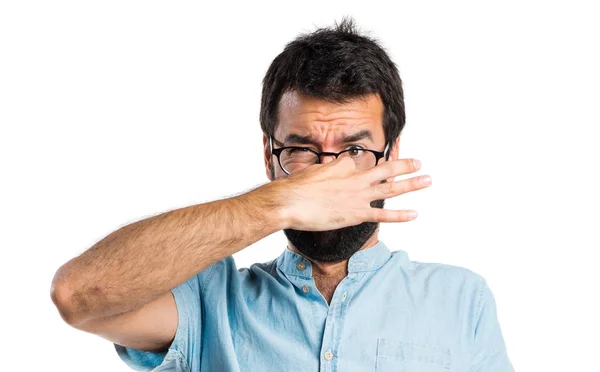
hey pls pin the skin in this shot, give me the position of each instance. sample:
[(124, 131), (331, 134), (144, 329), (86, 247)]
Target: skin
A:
[(120, 288), (327, 123)]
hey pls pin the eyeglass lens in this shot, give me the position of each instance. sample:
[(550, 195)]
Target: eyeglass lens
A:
[(293, 160)]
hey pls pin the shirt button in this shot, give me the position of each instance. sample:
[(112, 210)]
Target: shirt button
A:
[(344, 297), (300, 266), (305, 289), (328, 355)]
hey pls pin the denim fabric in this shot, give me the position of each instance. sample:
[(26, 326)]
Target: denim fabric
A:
[(388, 314)]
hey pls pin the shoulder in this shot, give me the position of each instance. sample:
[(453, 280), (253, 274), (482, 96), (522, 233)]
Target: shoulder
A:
[(441, 280), (446, 272), (226, 273), (417, 270)]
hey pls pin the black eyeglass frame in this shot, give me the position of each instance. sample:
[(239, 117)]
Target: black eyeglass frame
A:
[(277, 152)]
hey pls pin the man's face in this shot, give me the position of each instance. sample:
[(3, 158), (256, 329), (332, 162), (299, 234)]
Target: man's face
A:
[(322, 126)]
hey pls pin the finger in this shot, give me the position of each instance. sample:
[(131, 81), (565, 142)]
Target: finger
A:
[(392, 168), (388, 215), (390, 189)]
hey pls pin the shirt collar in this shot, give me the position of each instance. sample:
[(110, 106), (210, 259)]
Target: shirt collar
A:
[(368, 259)]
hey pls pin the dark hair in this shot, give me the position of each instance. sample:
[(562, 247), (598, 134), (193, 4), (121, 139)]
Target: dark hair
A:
[(336, 64)]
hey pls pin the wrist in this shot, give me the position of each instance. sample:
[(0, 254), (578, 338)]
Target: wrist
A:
[(269, 204)]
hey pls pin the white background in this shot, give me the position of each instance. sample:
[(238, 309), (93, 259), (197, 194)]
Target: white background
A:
[(115, 111)]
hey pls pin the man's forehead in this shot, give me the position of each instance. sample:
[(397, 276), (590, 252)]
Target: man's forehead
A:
[(314, 118), (294, 103)]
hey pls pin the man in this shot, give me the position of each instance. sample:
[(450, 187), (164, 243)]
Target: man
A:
[(166, 290)]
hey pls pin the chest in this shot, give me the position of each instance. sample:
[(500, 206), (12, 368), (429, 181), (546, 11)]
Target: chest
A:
[(358, 331), (327, 287)]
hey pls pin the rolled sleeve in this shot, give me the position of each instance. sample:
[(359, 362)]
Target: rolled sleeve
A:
[(185, 346), (489, 351)]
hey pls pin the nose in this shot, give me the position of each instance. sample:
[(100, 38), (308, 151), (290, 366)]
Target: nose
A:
[(327, 158)]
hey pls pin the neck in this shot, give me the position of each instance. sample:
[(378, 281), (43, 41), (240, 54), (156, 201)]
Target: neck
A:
[(338, 269)]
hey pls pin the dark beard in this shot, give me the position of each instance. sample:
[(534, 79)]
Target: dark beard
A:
[(333, 245)]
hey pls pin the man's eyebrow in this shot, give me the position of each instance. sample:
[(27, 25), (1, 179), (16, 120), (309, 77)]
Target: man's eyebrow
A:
[(358, 136), (299, 139), (309, 140)]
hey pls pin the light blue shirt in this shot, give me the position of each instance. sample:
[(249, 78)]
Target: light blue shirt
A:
[(388, 314)]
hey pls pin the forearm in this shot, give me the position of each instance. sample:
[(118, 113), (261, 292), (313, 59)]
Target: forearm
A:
[(138, 262)]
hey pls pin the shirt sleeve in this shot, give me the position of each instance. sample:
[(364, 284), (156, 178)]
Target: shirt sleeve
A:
[(489, 351), (185, 348)]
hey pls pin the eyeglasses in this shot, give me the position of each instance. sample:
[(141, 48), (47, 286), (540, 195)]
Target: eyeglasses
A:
[(294, 158)]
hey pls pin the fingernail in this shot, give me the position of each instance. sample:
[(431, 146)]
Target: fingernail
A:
[(417, 163), (426, 180), (412, 215)]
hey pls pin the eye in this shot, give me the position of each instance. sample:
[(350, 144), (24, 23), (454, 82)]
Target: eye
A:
[(354, 150)]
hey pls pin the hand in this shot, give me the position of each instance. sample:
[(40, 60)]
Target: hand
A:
[(335, 195)]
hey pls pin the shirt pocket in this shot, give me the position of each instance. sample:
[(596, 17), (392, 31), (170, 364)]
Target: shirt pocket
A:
[(400, 356)]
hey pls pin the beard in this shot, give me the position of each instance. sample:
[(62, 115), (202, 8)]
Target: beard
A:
[(333, 245)]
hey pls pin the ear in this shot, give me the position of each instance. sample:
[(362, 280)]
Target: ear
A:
[(267, 157), (394, 153)]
